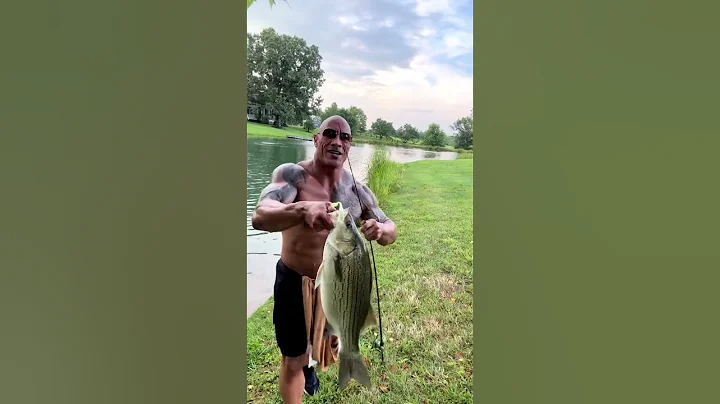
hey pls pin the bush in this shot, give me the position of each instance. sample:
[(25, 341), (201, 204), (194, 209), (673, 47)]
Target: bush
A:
[(383, 176)]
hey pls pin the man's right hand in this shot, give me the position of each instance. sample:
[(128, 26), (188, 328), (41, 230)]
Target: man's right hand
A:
[(317, 217)]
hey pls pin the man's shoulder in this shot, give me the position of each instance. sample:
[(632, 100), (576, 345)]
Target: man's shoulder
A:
[(290, 172), (289, 166)]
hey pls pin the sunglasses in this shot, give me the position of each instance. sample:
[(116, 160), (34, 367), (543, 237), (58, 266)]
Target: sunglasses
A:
[(332, 133)]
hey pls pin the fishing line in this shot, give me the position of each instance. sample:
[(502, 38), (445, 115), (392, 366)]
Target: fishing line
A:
[(372, 254)]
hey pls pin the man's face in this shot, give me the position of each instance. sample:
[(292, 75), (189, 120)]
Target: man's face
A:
[(333, 142)]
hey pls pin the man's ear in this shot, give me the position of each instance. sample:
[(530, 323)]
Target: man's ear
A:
[(315, 139)]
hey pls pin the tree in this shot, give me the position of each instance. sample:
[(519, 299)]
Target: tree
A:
[(272, 3), (434, 136), (408, 132), (308, 125), (354, 116), (332, 110), (382, 128), (360, 118), (284, 75), (463, 128)]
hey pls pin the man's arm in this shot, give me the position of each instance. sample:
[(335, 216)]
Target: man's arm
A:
[(276, 210), (377, 224)]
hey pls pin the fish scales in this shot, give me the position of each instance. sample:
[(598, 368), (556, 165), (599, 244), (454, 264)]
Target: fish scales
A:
[(358, 285), (345, 279)]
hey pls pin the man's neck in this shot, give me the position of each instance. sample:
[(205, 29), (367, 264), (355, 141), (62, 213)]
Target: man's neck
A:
[(327, 176)]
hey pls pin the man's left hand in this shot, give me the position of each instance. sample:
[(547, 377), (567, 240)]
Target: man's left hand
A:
[(372, 230)]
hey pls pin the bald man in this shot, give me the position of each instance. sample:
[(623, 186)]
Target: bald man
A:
[(297, 203)]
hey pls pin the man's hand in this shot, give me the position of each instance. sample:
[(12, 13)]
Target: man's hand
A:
[(372, 229), (316, 215)]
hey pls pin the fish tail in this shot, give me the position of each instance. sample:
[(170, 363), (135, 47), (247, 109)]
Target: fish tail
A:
[(352, 366)]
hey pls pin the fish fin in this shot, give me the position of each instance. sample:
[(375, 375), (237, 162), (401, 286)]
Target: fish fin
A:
[(328, 330), (318, 277), (370, 319), (352, 366)]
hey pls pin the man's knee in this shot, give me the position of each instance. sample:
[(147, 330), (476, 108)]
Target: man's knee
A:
[(295, 364)]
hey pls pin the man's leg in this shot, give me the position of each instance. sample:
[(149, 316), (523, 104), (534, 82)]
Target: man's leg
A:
[(292, 379), (290, 333)]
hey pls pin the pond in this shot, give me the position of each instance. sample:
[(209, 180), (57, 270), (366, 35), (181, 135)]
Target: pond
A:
[(264, 155)]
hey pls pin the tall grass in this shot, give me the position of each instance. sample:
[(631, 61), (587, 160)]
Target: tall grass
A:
[(383, 176)]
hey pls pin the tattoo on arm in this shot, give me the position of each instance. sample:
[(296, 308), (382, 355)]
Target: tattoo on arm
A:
[(370, 204), (284, 182)]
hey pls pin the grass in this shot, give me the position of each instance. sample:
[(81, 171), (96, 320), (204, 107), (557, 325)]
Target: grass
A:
[(426, 300), (383, 174), (262, 130)]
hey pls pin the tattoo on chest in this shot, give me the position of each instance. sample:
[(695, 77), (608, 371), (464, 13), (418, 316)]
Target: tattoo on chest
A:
[(293, 178), (365, 207)]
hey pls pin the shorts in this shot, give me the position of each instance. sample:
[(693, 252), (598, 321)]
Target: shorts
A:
[(289, 312)]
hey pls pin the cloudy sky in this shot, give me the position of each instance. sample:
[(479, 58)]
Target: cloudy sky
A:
[(406, 61)]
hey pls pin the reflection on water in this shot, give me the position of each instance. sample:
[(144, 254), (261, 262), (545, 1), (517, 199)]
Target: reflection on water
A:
[(264, 155)]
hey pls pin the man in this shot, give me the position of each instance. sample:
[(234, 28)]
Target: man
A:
[(297, 203)]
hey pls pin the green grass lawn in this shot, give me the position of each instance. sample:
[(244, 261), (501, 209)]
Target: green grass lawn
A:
[(426, 300), (261, 130)]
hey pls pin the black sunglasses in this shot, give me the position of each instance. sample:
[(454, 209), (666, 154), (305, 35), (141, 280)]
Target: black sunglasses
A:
[(332, 133)]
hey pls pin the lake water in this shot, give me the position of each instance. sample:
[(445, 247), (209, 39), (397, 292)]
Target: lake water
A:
[(264, 155)]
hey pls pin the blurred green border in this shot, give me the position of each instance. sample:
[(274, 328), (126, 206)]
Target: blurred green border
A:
[(122, 241), (596, 205), (122, 181)]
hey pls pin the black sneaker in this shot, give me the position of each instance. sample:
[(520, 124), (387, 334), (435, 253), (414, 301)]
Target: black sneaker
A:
[(312, 384)]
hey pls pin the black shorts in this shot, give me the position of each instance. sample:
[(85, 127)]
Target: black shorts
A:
[(289, 312)]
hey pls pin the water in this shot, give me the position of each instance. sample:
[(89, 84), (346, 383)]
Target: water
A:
[(264, 155)]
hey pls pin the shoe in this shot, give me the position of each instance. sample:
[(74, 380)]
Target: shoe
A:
[(312, 384)]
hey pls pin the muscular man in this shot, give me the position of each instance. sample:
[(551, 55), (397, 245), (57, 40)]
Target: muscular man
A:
[(297, 203)]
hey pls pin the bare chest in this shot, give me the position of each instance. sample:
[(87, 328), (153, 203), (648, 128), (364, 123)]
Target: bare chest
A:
[(343, 193)]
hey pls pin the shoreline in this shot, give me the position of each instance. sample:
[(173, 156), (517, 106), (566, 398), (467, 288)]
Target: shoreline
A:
[(293, 132)]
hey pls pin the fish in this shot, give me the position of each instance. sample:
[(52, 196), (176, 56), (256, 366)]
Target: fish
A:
[(345, 281)]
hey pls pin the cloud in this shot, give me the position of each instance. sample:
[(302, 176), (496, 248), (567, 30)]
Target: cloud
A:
[(406, 61), (354, 44), (354, 22), (425, 8)]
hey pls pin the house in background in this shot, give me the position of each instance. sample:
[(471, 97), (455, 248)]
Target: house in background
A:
[(258, 113)]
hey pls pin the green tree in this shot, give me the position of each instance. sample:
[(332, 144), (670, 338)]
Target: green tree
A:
[(434, 136), (272, 3), (284, 75), (463, 128), (354, 116), (308, 125), (360, 119), (382, 128), (408, 132), (332, 110)]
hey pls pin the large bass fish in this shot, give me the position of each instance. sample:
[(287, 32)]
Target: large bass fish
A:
[(345, 281)]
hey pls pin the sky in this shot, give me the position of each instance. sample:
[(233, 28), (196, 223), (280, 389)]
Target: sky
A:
[(405, 61)]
